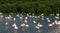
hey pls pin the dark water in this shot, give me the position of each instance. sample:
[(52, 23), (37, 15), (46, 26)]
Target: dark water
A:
[(31, 29)]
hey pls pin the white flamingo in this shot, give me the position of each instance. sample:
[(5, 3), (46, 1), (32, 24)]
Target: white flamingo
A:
[(34, 22), (48, 19), (29, 13), (26, 21), (42, 18), (18, 15), (58, 30), (53, 23), (23, 24), (26, 17), (0, 13), (42, 14), (14, 19), (56, 22), (27, 25), (35, 16), (21, 18), (57, 14), (6, 23), (15, 26), (37, 29), (50, 25), (39, 25)]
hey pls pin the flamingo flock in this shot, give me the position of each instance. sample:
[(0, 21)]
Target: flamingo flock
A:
[(37, 25)]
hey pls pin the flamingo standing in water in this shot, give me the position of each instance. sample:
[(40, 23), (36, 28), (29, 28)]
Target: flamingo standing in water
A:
[(24, 27), (48, 20), (42, 15), (15, 28), (27, 26), (51, 26), (6, 28), (35, 23), (18, 15), (38, 28), (1, 17), (57, 16), (28, 15), (58, 30)]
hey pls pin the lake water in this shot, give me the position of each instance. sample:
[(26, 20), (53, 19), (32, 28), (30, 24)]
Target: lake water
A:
[(31, 29)]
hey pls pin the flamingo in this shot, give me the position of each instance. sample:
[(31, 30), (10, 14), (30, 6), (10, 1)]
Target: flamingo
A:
[(1, 17), (53, 23), (51, 26), (22, 25), (6, 23), (39, 25), (34, 22), (27, 25), (21, 18), (56, 17), (29, 13), (48, 19), (30, 16), (26, 17), (37, 29), (58, 23), (15, 28), (57, 14), (35, 16), (18, 15), (14, 19), (25, 21), (0, 13), (42, 17), (11, 13), (42, 14)]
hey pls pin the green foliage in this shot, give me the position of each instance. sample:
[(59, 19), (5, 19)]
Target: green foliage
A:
[(30, 6)]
